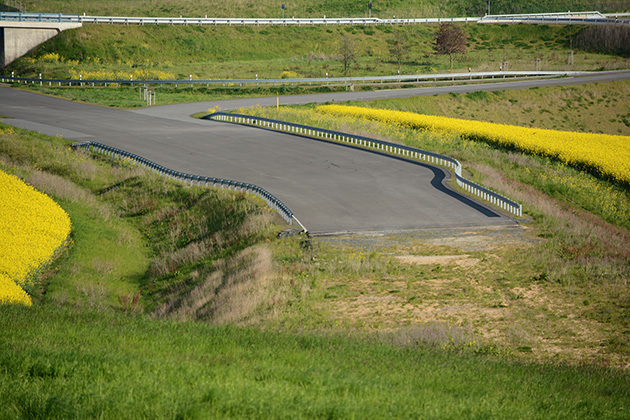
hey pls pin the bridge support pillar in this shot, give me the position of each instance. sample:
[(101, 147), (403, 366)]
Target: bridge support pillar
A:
[(18, 38)]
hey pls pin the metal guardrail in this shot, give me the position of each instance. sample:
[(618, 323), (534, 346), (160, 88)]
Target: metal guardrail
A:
[(560, 18), (346, 80), (118, 154), (38, 17), (380, 146), (556, 20)]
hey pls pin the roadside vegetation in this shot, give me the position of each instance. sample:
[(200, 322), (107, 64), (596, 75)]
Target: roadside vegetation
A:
[(576, 251), (206, 53), (186, 296), (304, 8), (177, 301), (602, 155), (591, 108)]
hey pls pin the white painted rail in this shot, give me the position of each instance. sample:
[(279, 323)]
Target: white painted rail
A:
[(568, 18)]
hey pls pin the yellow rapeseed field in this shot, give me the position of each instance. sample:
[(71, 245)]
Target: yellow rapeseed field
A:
[(606, 155), (32, 227)]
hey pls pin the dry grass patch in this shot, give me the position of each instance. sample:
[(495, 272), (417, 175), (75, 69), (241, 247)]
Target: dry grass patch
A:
[(232, 293), (486, 283)]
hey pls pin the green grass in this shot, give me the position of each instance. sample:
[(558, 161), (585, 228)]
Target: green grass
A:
[(594, 108), (163, 52), (300, 328), (304, 8), (577, 251), (65, 363), (242, 52), (133, 233)]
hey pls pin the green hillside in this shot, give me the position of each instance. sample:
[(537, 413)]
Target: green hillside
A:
[(320, 8), (165, 52), (180, 302)]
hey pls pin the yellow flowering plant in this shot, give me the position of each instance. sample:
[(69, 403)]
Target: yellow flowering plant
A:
[(32, 228), (605, 155)]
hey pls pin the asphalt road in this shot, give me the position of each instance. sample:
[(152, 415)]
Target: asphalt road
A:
[(330, 188)]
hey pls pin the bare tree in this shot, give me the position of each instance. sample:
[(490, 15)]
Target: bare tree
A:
[(398, 49), (347, 54), (450, 39)]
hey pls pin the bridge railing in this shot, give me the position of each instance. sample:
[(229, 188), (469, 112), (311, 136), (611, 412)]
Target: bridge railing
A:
[(565, 18), (38, 17), (381, 146), (271, 200)]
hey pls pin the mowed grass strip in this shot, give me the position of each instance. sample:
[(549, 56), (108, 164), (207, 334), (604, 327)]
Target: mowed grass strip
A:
[(64, 363)]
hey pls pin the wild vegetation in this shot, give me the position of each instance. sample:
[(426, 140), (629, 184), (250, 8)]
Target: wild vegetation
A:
[(206, 53), (244, 52), (582, 222), (609, 38)]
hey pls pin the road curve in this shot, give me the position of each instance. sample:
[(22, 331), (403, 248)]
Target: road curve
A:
[(331, 188)]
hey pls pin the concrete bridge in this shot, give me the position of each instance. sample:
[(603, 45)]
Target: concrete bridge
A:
[(18, 38)]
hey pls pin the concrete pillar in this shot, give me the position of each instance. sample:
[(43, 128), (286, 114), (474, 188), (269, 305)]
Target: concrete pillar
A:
[(18, 38)]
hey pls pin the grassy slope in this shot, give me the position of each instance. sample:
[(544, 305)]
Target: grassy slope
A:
[(64, 363), (133, 234), (309, 8), (243, 52), (90, 355), (82, 352), (599, 108), (565, 276), (115, 52)]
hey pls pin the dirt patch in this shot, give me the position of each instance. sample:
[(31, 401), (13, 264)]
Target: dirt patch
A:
[(459, 260), (474, 279)]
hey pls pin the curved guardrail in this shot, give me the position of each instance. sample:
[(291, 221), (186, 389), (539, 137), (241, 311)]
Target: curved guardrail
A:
[(269, 198), (378, 145)]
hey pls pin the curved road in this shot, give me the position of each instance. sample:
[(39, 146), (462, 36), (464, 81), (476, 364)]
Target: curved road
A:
[(331, 188)]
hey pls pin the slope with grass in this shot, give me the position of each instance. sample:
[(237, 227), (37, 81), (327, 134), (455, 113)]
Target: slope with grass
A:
[(337, 328), (304, 8), (188, 234), (242, 52), (596, 108), (68, 363), (578, 251)]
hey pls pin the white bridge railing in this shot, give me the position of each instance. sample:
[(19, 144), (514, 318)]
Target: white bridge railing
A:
[(379, 146), (550, 18)]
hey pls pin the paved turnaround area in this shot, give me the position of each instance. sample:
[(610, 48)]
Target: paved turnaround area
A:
[(330, 188)]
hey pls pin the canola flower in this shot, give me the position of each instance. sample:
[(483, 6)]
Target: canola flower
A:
[(605, 155), (32, 227), (138, 74)]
